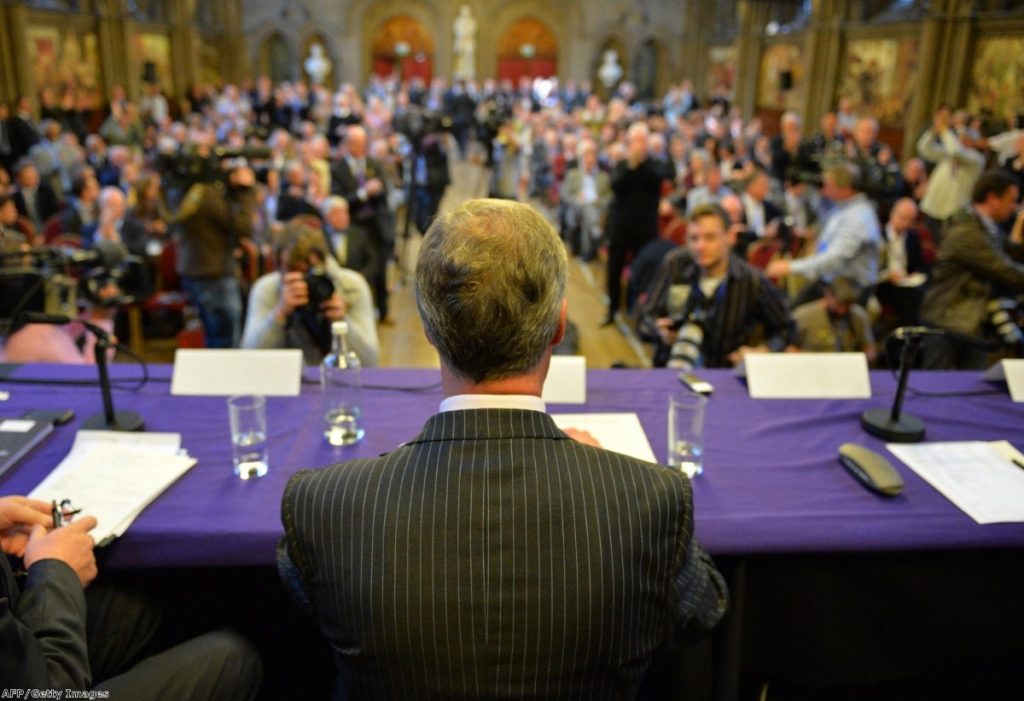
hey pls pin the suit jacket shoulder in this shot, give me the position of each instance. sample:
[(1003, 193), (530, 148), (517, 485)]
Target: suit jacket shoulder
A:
[(489, 529)]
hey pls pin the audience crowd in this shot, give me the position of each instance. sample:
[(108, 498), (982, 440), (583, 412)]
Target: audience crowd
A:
[(766, 221)]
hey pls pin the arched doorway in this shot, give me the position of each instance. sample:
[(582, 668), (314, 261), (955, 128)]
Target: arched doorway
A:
[(277, 59), (647, 70), (528, 48), (403, 44)]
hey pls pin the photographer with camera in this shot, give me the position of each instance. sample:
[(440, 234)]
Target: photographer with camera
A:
[(294, 307), (708, 307)]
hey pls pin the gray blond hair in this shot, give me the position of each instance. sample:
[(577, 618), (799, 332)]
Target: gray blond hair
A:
[(490, 280)]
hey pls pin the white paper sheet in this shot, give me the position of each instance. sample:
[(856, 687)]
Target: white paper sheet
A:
[(567, 380), (621, 433), (1014, 371), (223, 372), (807, 375), (980, 478), (114, 476)]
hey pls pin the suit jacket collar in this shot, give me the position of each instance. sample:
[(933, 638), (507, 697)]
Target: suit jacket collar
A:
[(482, 424)]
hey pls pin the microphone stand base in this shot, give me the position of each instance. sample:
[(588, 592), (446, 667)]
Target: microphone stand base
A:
[(878, 422), (123, 421)]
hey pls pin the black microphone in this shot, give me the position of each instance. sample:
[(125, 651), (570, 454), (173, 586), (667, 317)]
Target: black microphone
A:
[(905, 333), (41, 318), (109, 420)]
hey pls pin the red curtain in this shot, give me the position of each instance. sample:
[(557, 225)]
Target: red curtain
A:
[(411, 68), (515, 67)]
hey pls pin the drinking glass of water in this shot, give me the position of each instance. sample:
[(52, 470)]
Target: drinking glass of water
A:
[(686, 432), (247, 414)]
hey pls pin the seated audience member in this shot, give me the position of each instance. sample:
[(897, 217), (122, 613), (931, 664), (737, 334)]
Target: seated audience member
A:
[(294, 307), (711, 192), (586, 194), (849, 241), (350, 245), (490, 283), (82, 210), (34, 198), (16, 226), (836, 323), (59, 633), (760, 214), (114, 225), (293, 200), (902, 256), (975, 267), (708, 307)]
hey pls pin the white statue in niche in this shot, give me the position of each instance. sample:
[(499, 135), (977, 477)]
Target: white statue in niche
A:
[(317, 64), (465, 44), (610, 71)]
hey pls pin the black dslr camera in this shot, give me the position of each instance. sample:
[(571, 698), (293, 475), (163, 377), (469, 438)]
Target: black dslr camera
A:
[(321, 288)]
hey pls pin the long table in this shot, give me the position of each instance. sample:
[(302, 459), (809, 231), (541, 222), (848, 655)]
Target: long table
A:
[(774, 505), (771, 484)]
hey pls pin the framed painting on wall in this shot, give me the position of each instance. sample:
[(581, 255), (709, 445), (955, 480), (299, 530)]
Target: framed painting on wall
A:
[(780, 78), (722, 68), (154, 49), (65, 60), (878, 77), (997, 81)]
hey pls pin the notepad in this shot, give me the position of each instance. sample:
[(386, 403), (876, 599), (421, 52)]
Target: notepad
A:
[(980, 478), (621, 433), (114, 476)]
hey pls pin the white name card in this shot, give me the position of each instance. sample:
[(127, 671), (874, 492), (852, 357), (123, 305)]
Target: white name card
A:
[(217, 372), (1014, 370), (567, 380), (807, 375)]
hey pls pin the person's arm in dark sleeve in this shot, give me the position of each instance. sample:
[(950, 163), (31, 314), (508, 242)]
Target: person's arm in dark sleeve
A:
[(43, 637), (971, 248), (702, 596), (779, 326), (290, 563)]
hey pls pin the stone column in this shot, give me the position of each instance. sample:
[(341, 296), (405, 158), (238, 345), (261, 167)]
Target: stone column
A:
[(694, 58), (16, 73), (942, 65), (115, 32), (184, 44), (822, 54), (234, 62), (752, 17)]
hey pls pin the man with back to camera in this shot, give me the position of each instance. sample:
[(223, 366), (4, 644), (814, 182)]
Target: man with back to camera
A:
[(703, 286), (489, 557), (59, 633)]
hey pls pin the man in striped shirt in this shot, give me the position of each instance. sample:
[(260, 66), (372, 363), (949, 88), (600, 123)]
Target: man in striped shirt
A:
[(708, 307), (493, 556)]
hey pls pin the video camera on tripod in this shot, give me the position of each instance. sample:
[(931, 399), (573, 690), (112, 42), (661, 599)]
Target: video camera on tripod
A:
[(53, 280)]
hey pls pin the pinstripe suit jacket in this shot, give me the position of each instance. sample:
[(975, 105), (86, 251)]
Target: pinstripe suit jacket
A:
[(492, 557)]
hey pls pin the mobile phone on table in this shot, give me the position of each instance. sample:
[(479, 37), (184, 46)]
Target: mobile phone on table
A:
[(695, 383), (57, 417)]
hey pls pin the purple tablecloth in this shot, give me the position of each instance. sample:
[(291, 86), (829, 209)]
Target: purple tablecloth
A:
[(771, 483)]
